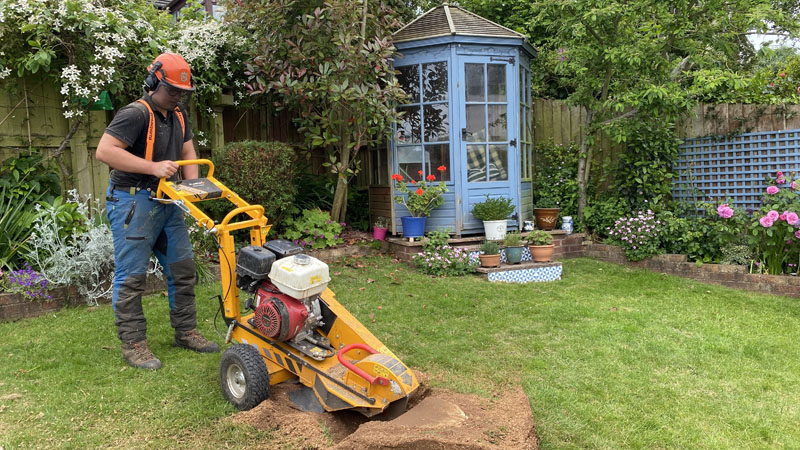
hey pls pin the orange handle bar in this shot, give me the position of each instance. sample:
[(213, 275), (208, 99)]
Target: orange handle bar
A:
[(372, 380)]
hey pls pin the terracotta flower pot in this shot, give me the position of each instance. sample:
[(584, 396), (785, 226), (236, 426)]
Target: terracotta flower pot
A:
[(490, 260), (546, 218), (541, 253)]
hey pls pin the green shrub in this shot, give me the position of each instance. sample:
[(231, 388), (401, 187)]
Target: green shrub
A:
[(540, 237), (601, 214), (15, 221), (701, 237), (27, 174), (556, 178), (438, 258), (740, 254), (261, 173), (644, 172), (357, 213), (313, 228), (490, 248), (493, 208), (512, 239)]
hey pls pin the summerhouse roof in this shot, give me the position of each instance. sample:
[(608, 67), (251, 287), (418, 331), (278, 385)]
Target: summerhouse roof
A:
[(451, 20)]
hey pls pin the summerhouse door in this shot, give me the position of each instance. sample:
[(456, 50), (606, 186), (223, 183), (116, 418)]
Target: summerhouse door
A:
[(487, 135)]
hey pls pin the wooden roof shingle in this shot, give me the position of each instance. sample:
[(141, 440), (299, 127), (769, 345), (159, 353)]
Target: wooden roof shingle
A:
[(451, 20)]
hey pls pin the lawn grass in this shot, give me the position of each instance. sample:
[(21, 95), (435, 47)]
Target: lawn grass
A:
[(610, 357)]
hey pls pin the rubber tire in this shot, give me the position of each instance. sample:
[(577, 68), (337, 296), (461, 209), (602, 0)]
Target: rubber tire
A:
[(248, 361)]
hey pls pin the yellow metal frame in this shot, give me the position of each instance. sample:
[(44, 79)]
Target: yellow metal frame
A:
[(335, 385)]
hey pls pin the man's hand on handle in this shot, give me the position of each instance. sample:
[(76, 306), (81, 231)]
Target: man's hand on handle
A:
[(164, 169)]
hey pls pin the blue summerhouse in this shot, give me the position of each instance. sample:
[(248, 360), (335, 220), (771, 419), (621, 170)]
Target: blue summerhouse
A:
[(469, 109)]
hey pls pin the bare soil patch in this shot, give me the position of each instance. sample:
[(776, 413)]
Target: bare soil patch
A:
[(436, 419)]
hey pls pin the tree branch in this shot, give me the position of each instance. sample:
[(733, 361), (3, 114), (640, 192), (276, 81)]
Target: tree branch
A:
[(630, 113)]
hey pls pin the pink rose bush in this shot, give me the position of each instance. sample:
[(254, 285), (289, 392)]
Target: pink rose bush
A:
[(725, 211), (771, 232)]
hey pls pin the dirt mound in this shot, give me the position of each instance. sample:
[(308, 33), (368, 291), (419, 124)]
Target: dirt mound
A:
[(437, 419)]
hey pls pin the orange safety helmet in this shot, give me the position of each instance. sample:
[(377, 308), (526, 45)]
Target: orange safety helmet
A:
[(170, 69)]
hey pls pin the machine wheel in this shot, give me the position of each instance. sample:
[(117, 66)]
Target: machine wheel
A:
[(243, 376)]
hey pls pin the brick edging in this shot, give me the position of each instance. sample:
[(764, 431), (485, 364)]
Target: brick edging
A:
[(733, 276)]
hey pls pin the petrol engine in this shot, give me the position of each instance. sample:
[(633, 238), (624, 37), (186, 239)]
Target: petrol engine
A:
[(284, 287)]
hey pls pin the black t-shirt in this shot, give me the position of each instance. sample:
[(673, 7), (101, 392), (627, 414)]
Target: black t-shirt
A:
[(130, 126)]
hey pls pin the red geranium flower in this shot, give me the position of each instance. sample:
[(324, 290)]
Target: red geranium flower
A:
[(397, 177), (441, 168), (419, 192), (419, 172), (431, 177), (413, 182)]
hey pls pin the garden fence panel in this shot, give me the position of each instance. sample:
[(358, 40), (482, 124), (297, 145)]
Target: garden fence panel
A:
[(728, 151)]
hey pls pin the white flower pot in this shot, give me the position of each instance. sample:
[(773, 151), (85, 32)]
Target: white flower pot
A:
[(495, 229)]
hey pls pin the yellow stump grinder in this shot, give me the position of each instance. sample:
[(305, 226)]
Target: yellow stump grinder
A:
[(291, 327)]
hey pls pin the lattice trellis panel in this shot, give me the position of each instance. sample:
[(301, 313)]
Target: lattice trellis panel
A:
[(715, 170)]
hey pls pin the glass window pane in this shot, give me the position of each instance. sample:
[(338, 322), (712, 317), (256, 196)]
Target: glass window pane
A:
[(498, 123), (408, 126), (475, 82), (409, 161), (434, 82), (476, 123), (498, 162), (476, 163), (437, 155), (496, 75), (437, 122), (408, 77)]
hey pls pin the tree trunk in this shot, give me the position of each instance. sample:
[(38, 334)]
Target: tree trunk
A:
[(339, 207), (584, 164), (60, 151)]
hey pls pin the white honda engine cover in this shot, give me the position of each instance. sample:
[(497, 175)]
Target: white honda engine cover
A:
[(300, 276)]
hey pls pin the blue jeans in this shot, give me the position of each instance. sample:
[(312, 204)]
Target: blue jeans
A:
[(142, 226)]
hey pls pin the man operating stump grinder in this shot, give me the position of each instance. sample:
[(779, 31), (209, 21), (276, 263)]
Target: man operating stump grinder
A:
[(141, 145)]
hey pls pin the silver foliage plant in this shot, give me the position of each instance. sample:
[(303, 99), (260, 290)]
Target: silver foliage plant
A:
[(84, 259)]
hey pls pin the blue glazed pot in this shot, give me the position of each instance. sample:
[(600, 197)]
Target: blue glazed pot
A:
[(514, 255), (413, 226)]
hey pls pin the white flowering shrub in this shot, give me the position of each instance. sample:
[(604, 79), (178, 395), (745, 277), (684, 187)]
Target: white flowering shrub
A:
[(70, 249), (85, 45), (216, 55), (90, 46)]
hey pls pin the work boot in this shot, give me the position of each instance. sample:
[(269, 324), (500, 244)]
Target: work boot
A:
[(193, 340), (139, 355)]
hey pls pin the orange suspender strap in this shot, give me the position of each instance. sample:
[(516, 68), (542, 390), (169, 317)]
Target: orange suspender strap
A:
[(183, 124), (151, 132), (151, 129)]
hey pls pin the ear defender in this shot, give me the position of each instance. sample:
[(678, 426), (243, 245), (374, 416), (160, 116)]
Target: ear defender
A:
[(151, 81)]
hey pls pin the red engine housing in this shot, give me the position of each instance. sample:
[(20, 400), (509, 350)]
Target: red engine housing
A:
[(278, 316)]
